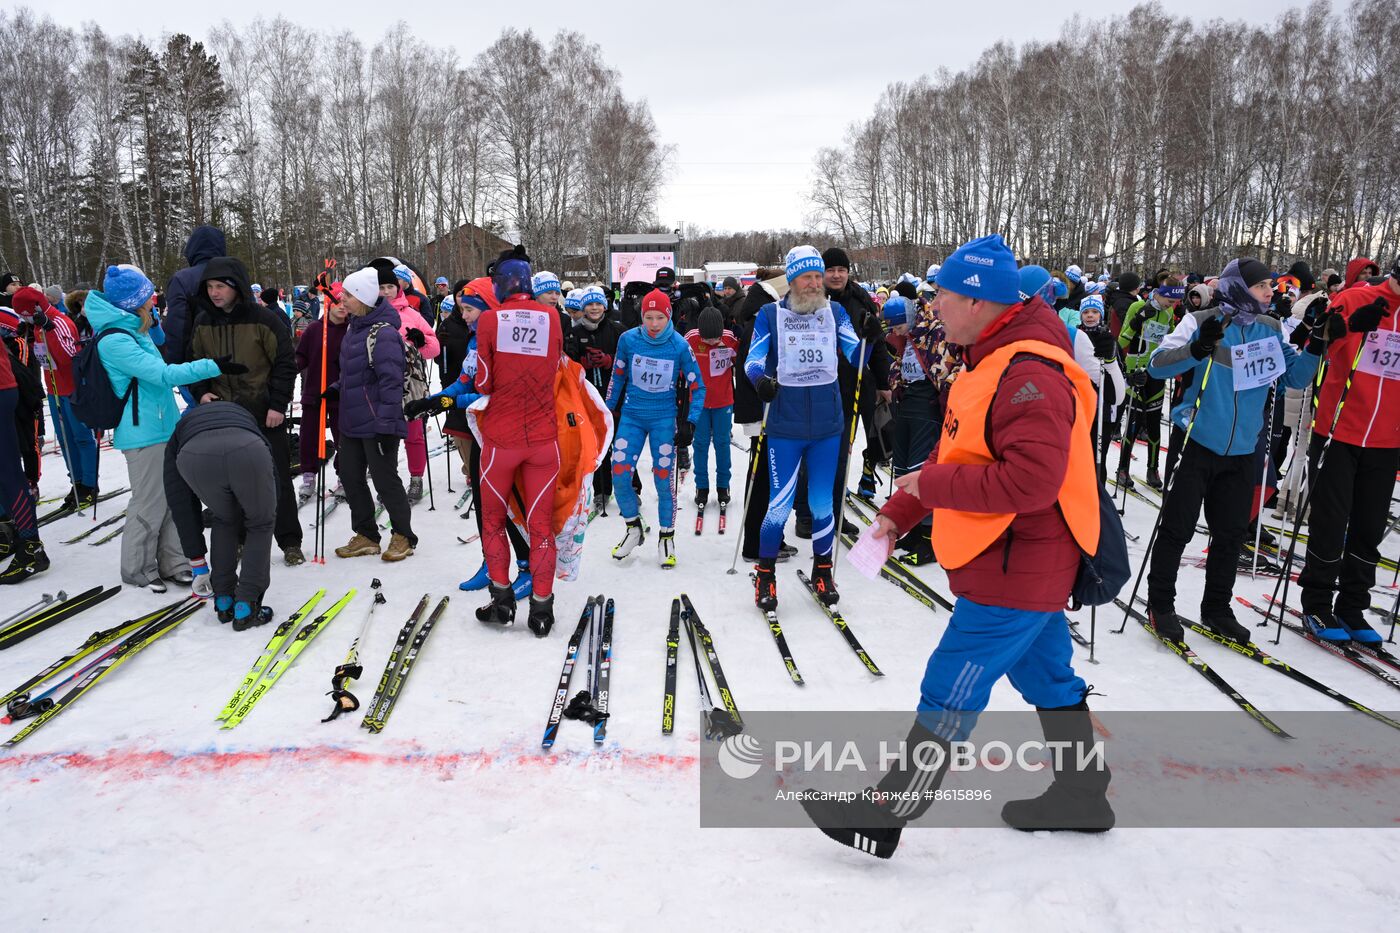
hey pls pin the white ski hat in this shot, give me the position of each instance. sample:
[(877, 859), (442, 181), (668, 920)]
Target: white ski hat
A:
[(364, 285)]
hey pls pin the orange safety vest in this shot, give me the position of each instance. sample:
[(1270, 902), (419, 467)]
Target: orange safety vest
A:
[(960, 536)]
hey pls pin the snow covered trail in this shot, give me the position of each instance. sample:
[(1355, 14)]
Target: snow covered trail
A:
[(133, 810)]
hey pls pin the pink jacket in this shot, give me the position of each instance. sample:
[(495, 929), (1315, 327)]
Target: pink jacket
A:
[(412, 320)]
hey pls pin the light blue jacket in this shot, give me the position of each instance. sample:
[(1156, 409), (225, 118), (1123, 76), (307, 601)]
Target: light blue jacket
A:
[(137, 358)]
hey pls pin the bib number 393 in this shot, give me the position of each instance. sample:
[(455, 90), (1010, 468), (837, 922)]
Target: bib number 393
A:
[(1257, 363), (524, 332)]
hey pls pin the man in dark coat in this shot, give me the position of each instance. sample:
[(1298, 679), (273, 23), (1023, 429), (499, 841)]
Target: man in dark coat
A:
[(181, 292)]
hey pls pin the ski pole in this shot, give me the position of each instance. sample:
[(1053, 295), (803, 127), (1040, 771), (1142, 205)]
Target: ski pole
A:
[(37, 604), (755, 455), (427, 468), (349, 669), (1263, 479)]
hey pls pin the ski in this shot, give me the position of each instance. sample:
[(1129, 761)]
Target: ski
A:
[(274, 645), (699, 520), (897, 573), (66, 511), (775, 626), (561, 695), (1183, 651), (278, 667), (673, 645), (718, 722), (94, 642), (1260, 656), (391, 695), (462, 540), (395, 654), (600, 695), (52, 614), (1371, 652), (129, 648), (1077, 636), (335, 501), (462, 499), (723, 516), (108, 537), (1346, 652), (841, 626), (102, 524)]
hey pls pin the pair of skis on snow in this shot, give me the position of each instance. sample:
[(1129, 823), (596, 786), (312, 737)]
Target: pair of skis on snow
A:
[(720, 722), (402, 657), (723, 516), (49, 614), (589, 705)]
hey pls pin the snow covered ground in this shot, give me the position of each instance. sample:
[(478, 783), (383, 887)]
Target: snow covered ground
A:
[(133, 811)]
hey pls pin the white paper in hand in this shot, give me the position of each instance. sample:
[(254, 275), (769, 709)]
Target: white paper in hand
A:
[(869, 553)]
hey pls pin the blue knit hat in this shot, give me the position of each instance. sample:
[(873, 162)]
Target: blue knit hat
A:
[(802, 259), (544, 282), (1036, 280), (127, 287), (896, 310), (984, 268)]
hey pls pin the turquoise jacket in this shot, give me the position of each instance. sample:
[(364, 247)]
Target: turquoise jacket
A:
[(139, 359)]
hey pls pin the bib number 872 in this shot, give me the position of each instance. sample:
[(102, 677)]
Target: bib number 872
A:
[(523, 334)]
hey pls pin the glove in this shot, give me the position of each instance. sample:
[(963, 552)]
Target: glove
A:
[(594, 358), (415, 337), (767, 388), (1282, 307), (332, 393), (685, 433), (229, 368), (1207, 336), (1137, 378), (1140, 318), (426, 406), (1301, 335), (872, 330), (203, 584), (1367, 317), (41, 320), (1316, 313), (1104, 344)]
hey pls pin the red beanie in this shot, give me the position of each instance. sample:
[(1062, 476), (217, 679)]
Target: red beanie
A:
[(656, 300), (27, 299)]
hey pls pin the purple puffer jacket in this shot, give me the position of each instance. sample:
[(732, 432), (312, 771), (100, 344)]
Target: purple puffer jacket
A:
[(371, 396)]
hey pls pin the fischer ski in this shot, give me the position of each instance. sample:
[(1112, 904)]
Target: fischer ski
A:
[(66, 511), (719, 723), (109, 536), (52, 614), (102, 524), (841, 626), (673, 644), (1371, 652), (391, 696), (274, 645), (395, 655), (775, 626)]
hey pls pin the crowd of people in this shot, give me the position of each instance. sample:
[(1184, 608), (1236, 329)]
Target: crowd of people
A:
[(991, 389)]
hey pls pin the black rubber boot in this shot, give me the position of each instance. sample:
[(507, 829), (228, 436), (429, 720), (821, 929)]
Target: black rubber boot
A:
[(501, 609), (1077, 800)]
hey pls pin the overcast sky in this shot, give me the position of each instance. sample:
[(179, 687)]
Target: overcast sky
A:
[(746, 115)]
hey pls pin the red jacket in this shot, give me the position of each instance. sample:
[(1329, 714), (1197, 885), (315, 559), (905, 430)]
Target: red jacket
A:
[(716, 366), (516, 365), (1033, 564), (1371, 414), (61, 345)]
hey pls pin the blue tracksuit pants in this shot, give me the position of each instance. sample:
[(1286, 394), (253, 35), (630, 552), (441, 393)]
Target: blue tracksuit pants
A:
[(981, 644), (714, 427), (633, 433), (75, 440), (786, 456)]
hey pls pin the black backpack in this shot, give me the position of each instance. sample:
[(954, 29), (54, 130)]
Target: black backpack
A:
[(1105, 572), (95, 403)]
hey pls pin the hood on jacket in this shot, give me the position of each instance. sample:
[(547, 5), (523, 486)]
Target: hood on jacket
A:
[(1356, 268), (1235, 295), (382, 313), (204, 244), (225, 267), (103, 315), (483, 289), (1030, 320)]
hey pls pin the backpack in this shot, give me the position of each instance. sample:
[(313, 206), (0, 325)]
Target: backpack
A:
[(1105, 572), (415, 369), (95, 403)]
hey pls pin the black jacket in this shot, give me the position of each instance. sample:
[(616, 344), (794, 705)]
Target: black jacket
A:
[(182, 292), (748, 408), (250, 333), (859, 305), (603, 338), (185, 508)]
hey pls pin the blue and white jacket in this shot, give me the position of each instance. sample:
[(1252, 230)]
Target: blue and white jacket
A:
[(1228, 422), (804, 412), (644, 374), (463, 389)]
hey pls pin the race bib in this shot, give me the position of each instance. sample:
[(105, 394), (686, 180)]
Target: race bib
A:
[(469, 364), (1381, 355), (806, 347), (650, 374), (1154, 332), (524, 332), (721, 360), (910, 369), (1257, 363)]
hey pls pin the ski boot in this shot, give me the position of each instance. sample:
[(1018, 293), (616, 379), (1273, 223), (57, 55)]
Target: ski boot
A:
[(223, 608), (822, 582), (804, 527), (1166, 623), (919, 550), (634, 536), (501, 609), (541, 615), (524, 584), (1222, 622), (307, 489), (722, 496), (29, 560), (1077, 799), (1326, 626), (479, 581), (1357, 627), (765, 591), (866, 488), (702, 498), (786, 551), (1124, 480), (249, 615), (1153, 478), (666, 548), (415, 489)]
